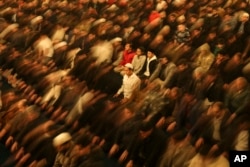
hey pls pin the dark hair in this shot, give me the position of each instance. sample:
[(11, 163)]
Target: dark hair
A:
[(83, 140), (142, 49), (146, 126), (205, 148), (182, 62), (179, 134), (222, 52), (151, 50), (219, 104)]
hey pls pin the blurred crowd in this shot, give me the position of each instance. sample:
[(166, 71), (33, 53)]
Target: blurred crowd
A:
[(133, 83)]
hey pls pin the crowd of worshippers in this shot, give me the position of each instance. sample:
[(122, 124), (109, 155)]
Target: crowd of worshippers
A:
[(133, 83)]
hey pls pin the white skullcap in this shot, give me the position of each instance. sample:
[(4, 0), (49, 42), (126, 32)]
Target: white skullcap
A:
[(8, 29), (245, 14), (61, 139), (181, 19), (112, 8), (178, 3), (60, 44), (99, 21), (129, 65), (116, 39), (36, 20), (48, 12), (65, 2), (5, 10), (161, 5)]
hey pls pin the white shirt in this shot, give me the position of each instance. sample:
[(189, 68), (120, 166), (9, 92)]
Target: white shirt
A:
[(45, 47), (130, 85), (198, 161), (58, 35), (216, 132), (103, 52), (52, 95), (138, 62), (147, 72), (241, 141), (80, 105)]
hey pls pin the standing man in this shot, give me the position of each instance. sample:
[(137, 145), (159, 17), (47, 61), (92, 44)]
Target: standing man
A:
[(131, 84)]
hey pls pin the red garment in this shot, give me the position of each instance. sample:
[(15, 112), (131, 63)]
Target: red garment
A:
[(123, 3), (127, 57), (111, 2), (153, 15)]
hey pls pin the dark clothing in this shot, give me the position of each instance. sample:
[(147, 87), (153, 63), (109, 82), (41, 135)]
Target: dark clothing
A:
[(31, 125), (237, 102), (206, 122), (41, 148), (96, 158), (152, 67), (235, 47), (189, 113), (69, 96), (231, 72), (246, 30), (127, 130), (146, 152), (210, 22), (214, 92), (109, 83), (181, 79)]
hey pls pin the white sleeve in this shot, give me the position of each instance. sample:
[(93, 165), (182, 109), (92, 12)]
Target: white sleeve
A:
[(241, 142), (53, 93)]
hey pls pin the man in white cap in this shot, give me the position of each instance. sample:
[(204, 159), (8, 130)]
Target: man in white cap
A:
[(131, 84), (62, 143)]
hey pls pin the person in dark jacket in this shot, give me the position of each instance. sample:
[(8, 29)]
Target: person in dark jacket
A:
[(149, 65), (147, 146)]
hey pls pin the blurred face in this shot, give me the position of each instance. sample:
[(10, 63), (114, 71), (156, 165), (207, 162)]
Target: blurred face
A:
[(117, 28), (192, 20), (145, 134), (67, 81), (128, 71), (150, 54), (240, 84), (196, 32), (181, 27), (219, 57), (188, 97), (212, 35), (158, 39), (209, 78), (164, 60), (64, 147), (215, 111), (127, 113), (138, 52), (127, 47), (182, 67), (236, 58), (171, 18), (91, 37), (220, 45), (244, 18), (174, 93)]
